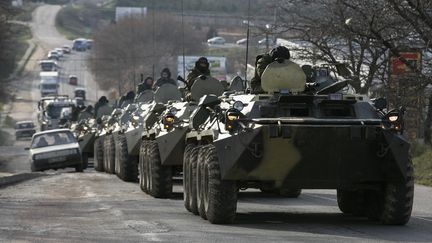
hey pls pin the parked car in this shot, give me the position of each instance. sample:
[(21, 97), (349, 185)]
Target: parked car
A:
[(55, 149), (24, 129), (242, 41), (66, 49), (216, 40), (73, 80)]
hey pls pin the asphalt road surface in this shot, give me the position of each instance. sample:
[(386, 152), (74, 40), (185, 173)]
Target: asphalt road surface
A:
[(64, 206)]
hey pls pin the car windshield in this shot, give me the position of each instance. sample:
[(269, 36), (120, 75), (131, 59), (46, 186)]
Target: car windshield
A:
[(49, 86), (47, 66), (54, 111), (24, 125), (52, 139)]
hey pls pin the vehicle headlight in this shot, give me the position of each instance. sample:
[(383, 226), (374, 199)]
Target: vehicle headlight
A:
[(393, 118), (238, 105)]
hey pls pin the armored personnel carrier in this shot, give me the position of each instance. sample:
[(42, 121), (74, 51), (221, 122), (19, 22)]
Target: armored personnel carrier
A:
[(161, 155), (85, 132), (102, 117), (297, 137)]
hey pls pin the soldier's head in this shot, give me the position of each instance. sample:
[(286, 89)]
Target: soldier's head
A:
[(149, 81), (89, 108), (130, 95), (280, 52), (202, 64), (166, 73), (103, 99)]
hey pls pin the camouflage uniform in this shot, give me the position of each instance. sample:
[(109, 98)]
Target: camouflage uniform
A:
[(262, 61)]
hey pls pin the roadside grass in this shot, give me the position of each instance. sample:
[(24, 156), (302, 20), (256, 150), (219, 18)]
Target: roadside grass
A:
[(422, 160), (23, 34), (82, 21), (9, 122)]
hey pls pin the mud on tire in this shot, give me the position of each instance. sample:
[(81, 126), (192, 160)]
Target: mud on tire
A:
[(220, 197), (98, 155), (160, 176), (200, 182), (192, 175), (109, 154)]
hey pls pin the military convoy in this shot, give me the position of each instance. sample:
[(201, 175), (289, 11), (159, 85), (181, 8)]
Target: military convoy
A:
[(304, 132)]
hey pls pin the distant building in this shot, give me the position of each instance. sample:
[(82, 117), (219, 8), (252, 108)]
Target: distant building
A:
[(123, 12)]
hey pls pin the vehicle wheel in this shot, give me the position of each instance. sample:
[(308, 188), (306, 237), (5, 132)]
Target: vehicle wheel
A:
[(202, 153), (393, 205), (186, 158), (220, 197), (127, 165), (142, 170), (290, 193), (192, 174), (32, 168), (80, 167), (85, 160), (109, 154), (351, 202), (98, 155), (160, 177)]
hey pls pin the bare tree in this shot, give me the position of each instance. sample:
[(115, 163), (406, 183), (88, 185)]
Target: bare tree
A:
[(140, 45)]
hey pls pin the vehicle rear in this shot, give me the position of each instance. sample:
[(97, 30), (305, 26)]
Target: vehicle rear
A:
[(24, 129)]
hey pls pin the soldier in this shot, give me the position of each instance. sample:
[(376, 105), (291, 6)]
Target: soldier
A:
[(127, 99), (87, 113), (101, 102), (147, 84), (165, 78), (262, 61), (202, 67)]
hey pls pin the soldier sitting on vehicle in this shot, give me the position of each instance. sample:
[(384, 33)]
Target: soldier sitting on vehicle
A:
[(127, 99), (147, 84), (87, 113), (262, 61), (165, 78), (202, 67), (102, 107)]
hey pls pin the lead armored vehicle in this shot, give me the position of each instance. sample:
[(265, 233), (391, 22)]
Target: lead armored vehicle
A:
[(296, 137)]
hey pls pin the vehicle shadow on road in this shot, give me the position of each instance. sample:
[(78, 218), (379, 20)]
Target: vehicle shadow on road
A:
[(336, 224)]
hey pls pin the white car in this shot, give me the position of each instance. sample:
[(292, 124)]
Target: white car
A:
[(242, 41), (53, 55), (216, 40), (59, 51), (262, 42), (66, 49), (55, 149)]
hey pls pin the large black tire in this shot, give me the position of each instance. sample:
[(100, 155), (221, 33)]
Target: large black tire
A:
[(142, 169), (351, 202), (109, 154), (220, 197), (202, 153), (98, 155), (192, 188), (160, 177), (186, 158), (393, 205), (126, 165)]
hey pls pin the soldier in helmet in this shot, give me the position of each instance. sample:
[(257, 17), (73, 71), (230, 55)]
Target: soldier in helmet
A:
[(202, 67), (262, 61), (165, 78)]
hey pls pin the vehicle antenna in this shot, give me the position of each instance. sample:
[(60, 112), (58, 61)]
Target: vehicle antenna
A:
[(247, 43), (154, 38), (183, 39)]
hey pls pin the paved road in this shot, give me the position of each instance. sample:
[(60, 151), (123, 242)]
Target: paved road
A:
[(46, 36), (71, 207)]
